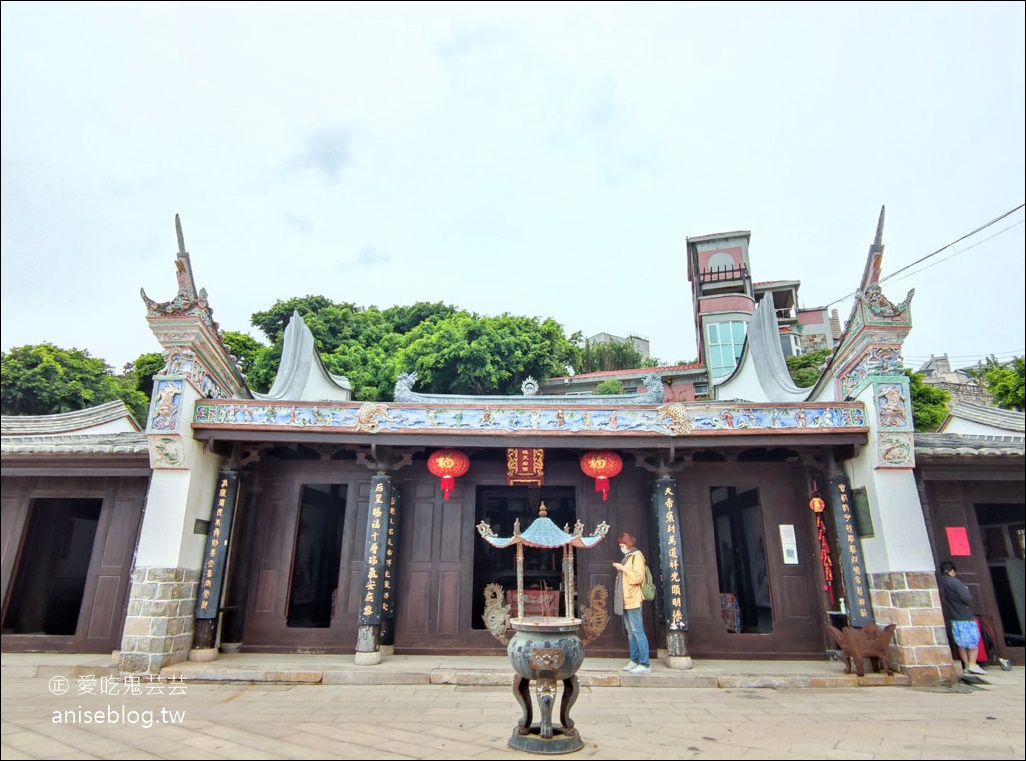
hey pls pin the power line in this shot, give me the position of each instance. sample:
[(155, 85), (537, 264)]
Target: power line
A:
[(967, 235), (957, 253), (945, 248), (963, 357)]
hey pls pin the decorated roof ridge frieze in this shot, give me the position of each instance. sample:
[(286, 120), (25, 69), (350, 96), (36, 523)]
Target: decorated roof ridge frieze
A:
[(867, 362), (195, 352), (672, 419), (877, 309), (654, 393), (185, 327)]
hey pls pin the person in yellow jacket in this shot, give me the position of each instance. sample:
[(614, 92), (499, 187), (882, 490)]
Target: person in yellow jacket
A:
[(627, 601)]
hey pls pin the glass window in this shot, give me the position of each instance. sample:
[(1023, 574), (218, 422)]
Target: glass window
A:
[(725, 343)]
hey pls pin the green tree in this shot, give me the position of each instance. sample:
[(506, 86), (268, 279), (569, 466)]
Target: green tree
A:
[(929, 403), (43, 379), (806, 368), (404, 319), (452, 351), (272, 322), (1004, 381), (142, 370), (469, 354), (611, 386), (244, 347), (609, 355)]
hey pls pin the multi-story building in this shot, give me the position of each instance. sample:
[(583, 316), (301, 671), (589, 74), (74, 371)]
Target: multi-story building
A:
[(725, 298)]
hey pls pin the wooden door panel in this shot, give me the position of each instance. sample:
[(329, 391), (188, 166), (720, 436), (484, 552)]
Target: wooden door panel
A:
[(276, 509), (416, 594), (797, 628), (448, 603), (14, 504), (105, 600)]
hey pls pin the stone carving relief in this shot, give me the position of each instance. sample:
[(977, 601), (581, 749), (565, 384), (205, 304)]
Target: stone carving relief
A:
[(167, 403), (878, 360), (896, 450), (166, 452), (892, 407)]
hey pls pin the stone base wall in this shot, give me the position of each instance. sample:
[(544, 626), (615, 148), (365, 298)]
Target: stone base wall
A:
[(158, 628), (920, 647)]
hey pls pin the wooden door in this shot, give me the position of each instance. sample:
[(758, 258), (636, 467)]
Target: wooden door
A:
[(793, 625), (114, 533), (271, 541), (956, 504)]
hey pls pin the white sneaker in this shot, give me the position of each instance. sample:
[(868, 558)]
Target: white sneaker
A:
[(630, 666), (641, 669), (976, 670)]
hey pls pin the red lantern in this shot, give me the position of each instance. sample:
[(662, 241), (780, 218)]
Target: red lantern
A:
[(816, 504), (448, 464), (601, 465)]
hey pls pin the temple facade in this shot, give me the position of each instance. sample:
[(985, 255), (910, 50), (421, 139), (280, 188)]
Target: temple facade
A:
[(306, 521)]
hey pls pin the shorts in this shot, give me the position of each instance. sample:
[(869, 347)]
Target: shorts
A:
[(966, 634)]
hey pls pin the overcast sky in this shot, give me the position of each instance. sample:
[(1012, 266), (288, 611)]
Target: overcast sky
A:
[(546, 160)]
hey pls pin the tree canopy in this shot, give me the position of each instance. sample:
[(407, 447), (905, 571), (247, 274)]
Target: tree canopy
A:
[(610, 355), (1005, 381), (806, 368), (929, 403), (42, 379), (451, 350)]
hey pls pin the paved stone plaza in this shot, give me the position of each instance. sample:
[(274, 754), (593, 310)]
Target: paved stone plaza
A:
[(456, 719)]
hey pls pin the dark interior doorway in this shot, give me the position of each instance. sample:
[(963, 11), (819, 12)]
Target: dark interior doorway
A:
[(317, 555), (543, 569), (46, 597), (745, 602), (1003, 530)]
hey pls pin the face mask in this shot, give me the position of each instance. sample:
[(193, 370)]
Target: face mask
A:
[(623, 549)]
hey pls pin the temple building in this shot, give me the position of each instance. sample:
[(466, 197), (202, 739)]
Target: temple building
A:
[(306, 521)]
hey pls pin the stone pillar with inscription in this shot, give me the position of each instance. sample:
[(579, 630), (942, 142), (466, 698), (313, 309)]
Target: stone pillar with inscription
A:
[(368, 637), (389, 577), (214, 563), (173, 538), (669, 573), (898, 559)]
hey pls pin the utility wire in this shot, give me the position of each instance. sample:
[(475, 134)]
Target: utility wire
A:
[(944, 248)]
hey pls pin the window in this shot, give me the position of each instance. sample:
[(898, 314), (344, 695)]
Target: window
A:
[(790, 344), (725, 340)]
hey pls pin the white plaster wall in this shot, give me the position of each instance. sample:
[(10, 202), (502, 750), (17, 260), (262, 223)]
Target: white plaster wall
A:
[(161, 533), (199, 504), (972, 428), (901, 541), (177, 498), (742, 384)]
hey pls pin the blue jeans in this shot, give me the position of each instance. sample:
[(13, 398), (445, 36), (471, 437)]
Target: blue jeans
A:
[(636, 635)]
